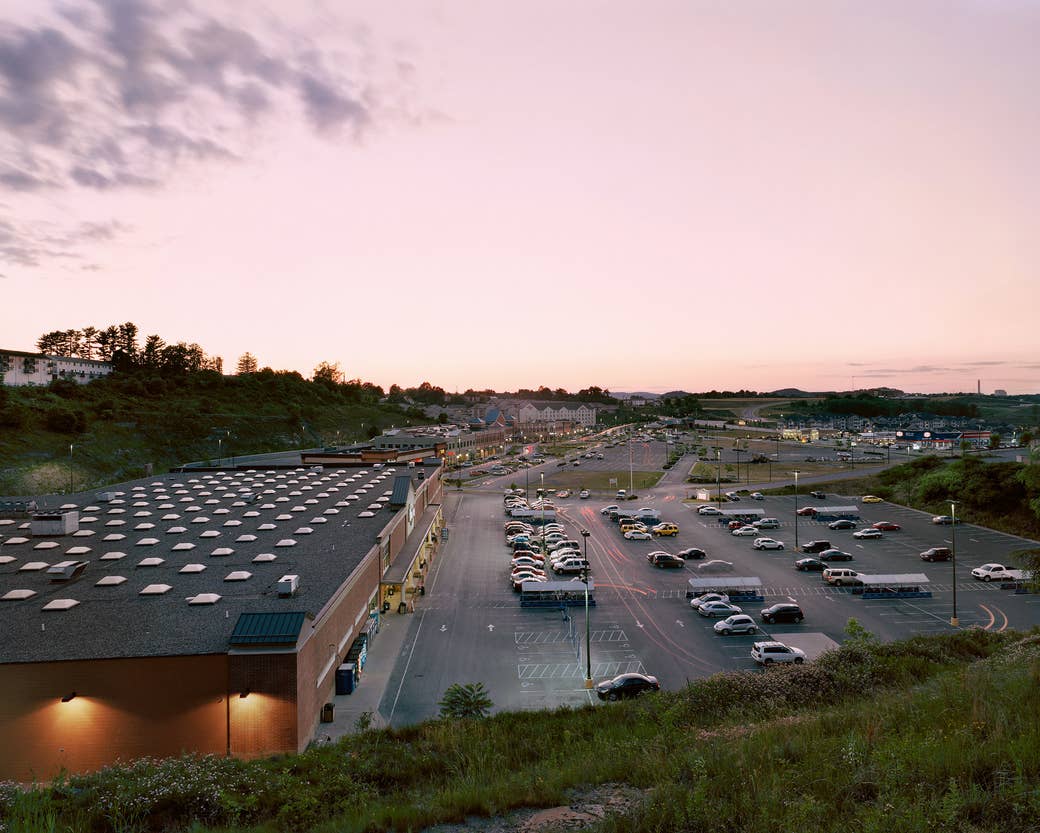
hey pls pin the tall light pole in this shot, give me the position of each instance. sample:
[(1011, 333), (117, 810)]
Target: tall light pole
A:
[(795, 473), (718, 477), (70, 467), (220, 443), (588, 638), (954, 621), (631, 487)]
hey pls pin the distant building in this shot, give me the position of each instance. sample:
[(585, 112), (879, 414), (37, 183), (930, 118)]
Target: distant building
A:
[(533, 412), (19, 369), (1000, 392)]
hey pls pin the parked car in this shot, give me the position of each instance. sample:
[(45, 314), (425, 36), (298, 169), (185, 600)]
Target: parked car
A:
[(626, 685), (807, 511), (665, 529), (583, 494), (692, 552), (718, 609), (732, 496), (606, 510), (768, 653), (745, 530), (816, 546), (869, 532), (943, 520), (782, 612), (809, 565), (708, 510), (767, 523), (842, 523), (757, 496), (870, 499), (737, 623), (887, 526), (818, 495), (841, 576), (715, 566), (573, 564), (705, 598), (528, 561), (666, 559), (834, 554), (638, 535), (768, 544), (937, 554)]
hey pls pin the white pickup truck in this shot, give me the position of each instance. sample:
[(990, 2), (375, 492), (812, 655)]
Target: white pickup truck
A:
[(998, 572)]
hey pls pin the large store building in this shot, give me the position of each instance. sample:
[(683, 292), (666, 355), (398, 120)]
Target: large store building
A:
[(199, 612)]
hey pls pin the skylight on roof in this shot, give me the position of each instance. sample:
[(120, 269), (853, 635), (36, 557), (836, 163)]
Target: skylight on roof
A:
[(17, 595), (183, 546), (319, 520), (110, 581), (82, 533), (245, 539), (238, 575), (331, 511), (147, 542), (113, 556), (15, 540), (151, 562), (192, 568), (115, 523), (366, 514), (209, 533), (252, 513), (204, 599), (144, 527), (200, 519), (77, 550), (6, 559), (144, 513), (298, 508), (223, 551), (266, 527), (33, 566), (155, 590), (114, 536), (303, 530), (176, 530), (60, 604), (46, 545), (285, 542), (116, 511), (374, 507), (265, 557), (233, 522)]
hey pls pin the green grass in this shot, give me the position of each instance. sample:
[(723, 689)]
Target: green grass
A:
[(935, 733), (596, 481)]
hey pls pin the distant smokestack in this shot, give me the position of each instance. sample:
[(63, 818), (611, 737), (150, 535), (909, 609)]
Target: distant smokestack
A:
[(978, 385)]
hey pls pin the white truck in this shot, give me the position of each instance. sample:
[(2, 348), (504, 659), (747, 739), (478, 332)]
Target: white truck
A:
[(998, 572)]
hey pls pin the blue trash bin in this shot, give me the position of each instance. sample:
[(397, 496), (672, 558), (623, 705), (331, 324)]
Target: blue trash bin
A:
[(346, 678)]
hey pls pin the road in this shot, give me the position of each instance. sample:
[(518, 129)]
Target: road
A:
[(470, 626)]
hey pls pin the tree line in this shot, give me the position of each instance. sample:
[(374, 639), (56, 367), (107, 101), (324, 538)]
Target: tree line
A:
[(120, 345)]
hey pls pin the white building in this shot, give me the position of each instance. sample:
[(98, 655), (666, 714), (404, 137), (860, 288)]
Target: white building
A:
[(17, 368), (582, 414)]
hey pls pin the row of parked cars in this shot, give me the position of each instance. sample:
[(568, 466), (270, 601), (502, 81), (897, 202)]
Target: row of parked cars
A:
[(733, 620), (528, 561)]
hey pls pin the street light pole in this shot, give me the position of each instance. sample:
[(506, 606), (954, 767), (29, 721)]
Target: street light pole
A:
[(631, 487), (954, 621), (795, 473), (588, 639), (70, 467)]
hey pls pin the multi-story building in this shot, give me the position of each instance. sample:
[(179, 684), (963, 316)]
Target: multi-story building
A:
[(535, 412), (17, 368)]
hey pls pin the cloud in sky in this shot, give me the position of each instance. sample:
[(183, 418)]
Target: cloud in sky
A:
[(122, 94)]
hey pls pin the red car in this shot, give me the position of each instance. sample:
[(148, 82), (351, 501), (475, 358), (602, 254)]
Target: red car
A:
[(887, 526), (807, 510)]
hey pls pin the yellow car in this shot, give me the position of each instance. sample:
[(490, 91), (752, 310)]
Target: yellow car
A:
[(665, 529), (870, 499)]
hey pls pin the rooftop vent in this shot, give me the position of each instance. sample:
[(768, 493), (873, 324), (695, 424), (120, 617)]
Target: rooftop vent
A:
[(288, 585), (66, 570)]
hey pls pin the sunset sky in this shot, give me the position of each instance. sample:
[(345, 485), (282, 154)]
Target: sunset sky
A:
[(640, 196)]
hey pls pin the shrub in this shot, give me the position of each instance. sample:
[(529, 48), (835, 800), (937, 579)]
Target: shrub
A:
[(65, 420), (469, 700)]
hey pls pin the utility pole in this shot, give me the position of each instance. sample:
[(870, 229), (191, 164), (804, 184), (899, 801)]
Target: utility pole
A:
[(588, 639)]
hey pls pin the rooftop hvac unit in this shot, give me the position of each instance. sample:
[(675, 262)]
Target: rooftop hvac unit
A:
[(288, 585)]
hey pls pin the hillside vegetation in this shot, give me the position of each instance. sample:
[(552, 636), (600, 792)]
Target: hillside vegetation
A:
[(935, 733), (118, 425)]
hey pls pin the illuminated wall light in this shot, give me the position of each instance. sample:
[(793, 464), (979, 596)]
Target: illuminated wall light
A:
[(68, 698)]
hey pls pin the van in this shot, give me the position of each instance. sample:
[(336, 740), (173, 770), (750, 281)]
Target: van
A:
[(621, 495), (839, 576)]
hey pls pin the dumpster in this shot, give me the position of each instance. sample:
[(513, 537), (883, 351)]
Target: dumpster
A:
[(328, 712), (345, 678)]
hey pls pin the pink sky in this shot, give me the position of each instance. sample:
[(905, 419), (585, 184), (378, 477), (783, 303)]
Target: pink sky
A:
[(641, 196)]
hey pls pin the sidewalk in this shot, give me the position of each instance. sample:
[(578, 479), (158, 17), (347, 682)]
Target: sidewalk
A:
[(383, 652)]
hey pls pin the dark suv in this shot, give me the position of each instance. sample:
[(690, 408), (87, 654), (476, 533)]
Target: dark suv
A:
[(783, 612), (936, 554), (816, 546)]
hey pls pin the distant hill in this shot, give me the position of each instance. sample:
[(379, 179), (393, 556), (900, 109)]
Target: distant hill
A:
[(636, 394)]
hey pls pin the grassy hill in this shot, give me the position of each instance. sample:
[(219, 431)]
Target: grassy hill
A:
[(935, 733), (119, 425)]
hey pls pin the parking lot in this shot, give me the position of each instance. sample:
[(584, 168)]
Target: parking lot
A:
[(471, 626)]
